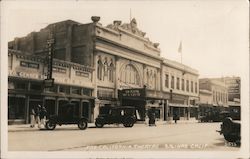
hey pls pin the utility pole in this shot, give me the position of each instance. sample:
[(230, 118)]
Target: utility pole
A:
[(49, 82)]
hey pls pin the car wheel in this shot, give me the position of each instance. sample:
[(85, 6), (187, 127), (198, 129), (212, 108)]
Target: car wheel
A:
[(99, 124), (50, 125), (82, 124), (126, 125), (231, 138), (129, 122)]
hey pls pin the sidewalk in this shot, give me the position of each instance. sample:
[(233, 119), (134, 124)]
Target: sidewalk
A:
[(26, 127)]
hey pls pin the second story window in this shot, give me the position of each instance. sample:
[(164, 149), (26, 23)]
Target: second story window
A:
[(192, 86), (182, 84), (196, 87), (172, 82), (187, 85), (99, 68), (167, 81), (178, 83)]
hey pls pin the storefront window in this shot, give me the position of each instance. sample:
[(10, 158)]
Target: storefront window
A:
[(21, 85), (36, 86), (64, 89), (87, 92), (76, 90), (16, 107)]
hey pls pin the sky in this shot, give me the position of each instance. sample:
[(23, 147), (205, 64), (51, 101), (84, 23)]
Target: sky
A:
[(214, 34)]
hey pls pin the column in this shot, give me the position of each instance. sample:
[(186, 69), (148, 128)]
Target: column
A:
[(57, 105), (188, 102), (97, 108), (27, 113), (116, 75)]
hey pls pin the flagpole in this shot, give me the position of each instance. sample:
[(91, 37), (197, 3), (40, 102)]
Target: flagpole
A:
[(130, 15)]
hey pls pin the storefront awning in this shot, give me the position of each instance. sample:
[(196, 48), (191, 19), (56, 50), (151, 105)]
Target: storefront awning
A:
[(177, 105)]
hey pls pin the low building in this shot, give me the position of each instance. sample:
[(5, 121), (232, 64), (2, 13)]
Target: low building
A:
[(234, 96), (214, 95), (26, 74), (180, 87)]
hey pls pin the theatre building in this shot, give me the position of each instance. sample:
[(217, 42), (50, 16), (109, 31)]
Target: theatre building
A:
[(98, 66), (127, 67), (180, 88)]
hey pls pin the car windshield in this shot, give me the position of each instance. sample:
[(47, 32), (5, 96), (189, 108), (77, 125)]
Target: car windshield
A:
[(104, 110)]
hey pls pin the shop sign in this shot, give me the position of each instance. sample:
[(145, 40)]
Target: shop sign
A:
[(26, 75), (29, 64), (49, 83), (69, 81), (133, 93)]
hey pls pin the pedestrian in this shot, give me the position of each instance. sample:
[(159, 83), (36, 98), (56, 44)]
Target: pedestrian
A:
[(175, 118), (32, 118), (37, 115), (151, 116), (43, 114)]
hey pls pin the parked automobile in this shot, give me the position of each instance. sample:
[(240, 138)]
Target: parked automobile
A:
[(214, 116), (116, 115), (68, 114), (231, 130)]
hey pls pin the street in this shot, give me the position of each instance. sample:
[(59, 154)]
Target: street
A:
[(181, 136)]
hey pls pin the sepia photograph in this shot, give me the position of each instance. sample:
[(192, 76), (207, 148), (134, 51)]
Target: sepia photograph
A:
[(125, 79)]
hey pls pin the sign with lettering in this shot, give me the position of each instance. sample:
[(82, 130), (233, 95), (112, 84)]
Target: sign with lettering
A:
[(49, 83), (133, 93), (26, 75), (29, 64)]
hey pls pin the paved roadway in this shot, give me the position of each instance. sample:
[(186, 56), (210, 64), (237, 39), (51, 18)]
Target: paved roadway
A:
[(188, 136)]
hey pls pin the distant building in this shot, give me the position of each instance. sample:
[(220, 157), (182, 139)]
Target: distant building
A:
[(234, 96), (98, 66), (213, 95)]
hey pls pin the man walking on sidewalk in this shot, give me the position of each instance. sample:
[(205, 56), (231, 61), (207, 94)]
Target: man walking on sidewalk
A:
[(37, 116)]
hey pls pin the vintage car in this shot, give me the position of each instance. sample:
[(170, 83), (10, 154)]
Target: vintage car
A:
[(116, 115), (68, 114), (214, 116), (231, 130)]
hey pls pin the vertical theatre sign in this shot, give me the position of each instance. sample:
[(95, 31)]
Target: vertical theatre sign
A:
[(49, 82)]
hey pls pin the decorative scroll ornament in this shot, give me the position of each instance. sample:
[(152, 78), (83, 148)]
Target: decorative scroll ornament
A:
[(132, 27)]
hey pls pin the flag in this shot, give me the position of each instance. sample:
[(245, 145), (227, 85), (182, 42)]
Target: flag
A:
[(180, 47)]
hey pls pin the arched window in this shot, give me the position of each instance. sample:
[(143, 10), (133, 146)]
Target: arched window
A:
[(111, 71), (130, 75), (99, 68)]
